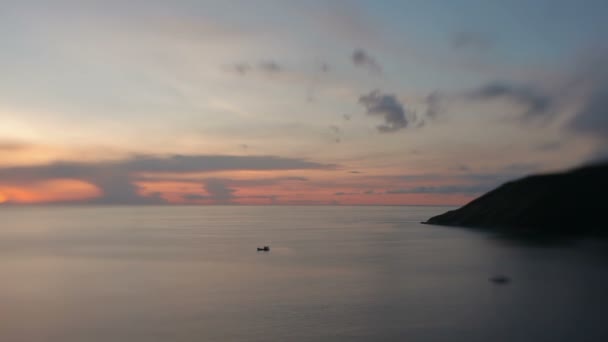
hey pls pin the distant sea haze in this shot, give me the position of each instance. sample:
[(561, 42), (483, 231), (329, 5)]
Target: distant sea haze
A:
[(333, 273)]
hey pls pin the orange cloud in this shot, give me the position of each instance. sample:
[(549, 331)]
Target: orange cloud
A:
[(58, 190)]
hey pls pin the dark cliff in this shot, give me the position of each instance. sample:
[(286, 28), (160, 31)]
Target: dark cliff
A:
[(573, 202)]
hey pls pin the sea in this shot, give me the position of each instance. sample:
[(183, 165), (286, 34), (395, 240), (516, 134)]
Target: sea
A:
[(333, 273)]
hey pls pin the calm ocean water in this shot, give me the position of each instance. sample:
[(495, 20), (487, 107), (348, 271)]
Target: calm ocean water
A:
[(79, 274)]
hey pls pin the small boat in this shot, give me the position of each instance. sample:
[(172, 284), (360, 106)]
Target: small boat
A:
[(264, 249)]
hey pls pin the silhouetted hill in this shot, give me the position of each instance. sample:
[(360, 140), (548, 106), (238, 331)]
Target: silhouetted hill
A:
[(573, 202)]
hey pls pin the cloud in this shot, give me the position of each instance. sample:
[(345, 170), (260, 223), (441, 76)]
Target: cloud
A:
[(300, 179), (242, 68), (362, 59), (219, 192), (336, 133), (268, 67), (591, 119), (117, 179), (581, 91), (387, 106), (549, 146), (12, 145), (537, 103), (434, 105), (464, 182), (195, 197), (250, 182), (462, 168), (118, 187), (445, 189), (470, 40), (258, 181), (271, 198), (342, 193)]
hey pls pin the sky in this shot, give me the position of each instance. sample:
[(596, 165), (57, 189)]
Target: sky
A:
[(380, 102)]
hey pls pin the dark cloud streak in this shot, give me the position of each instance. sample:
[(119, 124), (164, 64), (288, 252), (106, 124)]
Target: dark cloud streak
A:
[(538, 103), (270, 67), (117, 179), (267, 67)]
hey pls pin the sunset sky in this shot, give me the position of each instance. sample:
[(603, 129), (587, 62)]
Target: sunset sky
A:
[(295, 102)]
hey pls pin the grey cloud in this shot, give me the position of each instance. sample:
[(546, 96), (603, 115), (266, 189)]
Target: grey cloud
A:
[(549, 146), (463, 168), (308, 202), (362, 59), (118, 187), (537, 102), (336, 133), (261, 181), (300, 179), (389, 107), (242, 68), (520, 168), (219, 192), (342, 193), (232, 182), (271, 198), (447, 189), (434, 105), (592, 118), (145, 163), (117, 179), (202, 163), (474, 182), (471, 40), (270, 67), (195, 197), (584, 87), (322, 68), (477, 183)]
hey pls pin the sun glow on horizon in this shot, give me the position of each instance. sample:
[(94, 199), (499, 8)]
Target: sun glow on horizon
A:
[(58, 190)]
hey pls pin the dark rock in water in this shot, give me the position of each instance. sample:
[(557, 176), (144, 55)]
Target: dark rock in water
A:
[(573, 202), (500, 280)]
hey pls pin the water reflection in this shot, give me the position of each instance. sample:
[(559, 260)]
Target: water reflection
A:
[(333, 274)]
